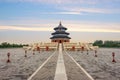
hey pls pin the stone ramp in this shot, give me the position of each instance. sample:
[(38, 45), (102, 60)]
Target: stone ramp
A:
[(73, 70)]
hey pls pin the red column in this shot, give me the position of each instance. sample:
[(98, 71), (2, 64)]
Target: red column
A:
[(73, 48), (47, 48), (82, 49), (38, 49)]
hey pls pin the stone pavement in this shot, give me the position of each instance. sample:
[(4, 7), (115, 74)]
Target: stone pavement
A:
[(61, 66)]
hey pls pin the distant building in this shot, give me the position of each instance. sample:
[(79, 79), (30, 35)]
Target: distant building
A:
[(60, 35)]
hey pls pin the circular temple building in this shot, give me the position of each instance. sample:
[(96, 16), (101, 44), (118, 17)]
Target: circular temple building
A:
[(60, 35)]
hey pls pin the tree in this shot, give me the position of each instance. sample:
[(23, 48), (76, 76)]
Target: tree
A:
[(107, 43), (8, 45), (98, 43)]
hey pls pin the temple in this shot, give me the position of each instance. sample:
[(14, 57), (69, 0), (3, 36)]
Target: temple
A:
[(60, 35)]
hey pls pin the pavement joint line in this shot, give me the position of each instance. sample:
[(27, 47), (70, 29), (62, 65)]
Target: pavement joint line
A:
[(60, 73), (30, 78), (80, 67)]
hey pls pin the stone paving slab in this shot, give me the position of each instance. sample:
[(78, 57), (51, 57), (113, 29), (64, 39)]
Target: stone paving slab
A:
[(47, 72), (72, 70)]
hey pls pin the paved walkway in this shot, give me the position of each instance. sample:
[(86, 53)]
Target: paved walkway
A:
[(74, 70), (60, 69), (47, 70), (60, 66)]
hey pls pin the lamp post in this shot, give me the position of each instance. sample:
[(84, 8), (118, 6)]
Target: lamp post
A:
[(33, 52), (87, 52), (95, 53), (113, 55), (25, 53), (8, 55), (82, 49)]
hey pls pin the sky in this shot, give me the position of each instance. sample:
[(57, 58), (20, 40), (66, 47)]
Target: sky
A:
[(30, 21)]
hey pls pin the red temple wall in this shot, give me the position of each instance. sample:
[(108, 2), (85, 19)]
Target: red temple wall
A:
[(60, 40)]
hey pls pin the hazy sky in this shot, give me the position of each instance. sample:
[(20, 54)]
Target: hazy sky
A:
[(28, 21)]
